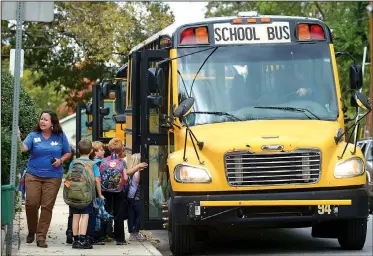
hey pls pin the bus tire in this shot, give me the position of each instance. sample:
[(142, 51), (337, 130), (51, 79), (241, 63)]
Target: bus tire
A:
[(181, 237), (353, 233)]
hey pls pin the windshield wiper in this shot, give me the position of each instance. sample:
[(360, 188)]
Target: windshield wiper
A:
[(303, 110), (203, 63), (233, 117)]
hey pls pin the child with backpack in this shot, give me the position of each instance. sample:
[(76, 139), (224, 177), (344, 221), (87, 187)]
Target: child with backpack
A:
[(114, 176), (82, 181), (133, 197), (98, 152), (96, 155)]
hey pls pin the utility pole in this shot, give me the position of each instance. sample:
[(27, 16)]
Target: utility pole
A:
[(369, 122)]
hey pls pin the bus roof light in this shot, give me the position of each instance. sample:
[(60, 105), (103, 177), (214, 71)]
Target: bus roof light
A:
[(202, 36), (317, 32), (265, 20), (304, 32), (252, 20), (187, 36), (237, 21)]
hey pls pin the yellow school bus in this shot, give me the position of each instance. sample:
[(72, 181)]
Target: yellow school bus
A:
[(242, 122), (103, 118)]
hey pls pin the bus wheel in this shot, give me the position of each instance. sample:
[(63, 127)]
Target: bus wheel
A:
[(181, 238), (353, 233)]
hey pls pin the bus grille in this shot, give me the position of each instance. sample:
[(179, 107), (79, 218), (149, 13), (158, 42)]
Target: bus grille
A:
[(250, 169)]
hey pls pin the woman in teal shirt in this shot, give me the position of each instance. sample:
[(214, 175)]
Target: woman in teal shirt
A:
[(49, 148)]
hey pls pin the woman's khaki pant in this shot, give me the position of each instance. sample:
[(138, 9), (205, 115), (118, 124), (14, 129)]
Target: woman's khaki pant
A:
[(40, 192)]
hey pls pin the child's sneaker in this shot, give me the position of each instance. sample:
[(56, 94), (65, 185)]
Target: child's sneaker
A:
[(77, 245), (69, 237), (132, 237), (121, 242), (94, 241), (86, 244), (140, 237)]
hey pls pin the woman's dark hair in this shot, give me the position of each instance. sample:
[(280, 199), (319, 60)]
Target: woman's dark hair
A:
[(57, 129)]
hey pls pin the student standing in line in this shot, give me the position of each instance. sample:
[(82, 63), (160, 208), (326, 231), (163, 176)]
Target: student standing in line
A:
[(134, 201), (82, 226), (114, 175)]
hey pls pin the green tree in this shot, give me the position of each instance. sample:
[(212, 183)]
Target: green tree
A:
[(45, 98), (28, 117), (86, 41)]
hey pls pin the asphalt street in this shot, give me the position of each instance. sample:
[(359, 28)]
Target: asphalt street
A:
[(271, 242)]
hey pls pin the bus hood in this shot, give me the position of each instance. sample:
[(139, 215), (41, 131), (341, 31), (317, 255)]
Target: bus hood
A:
[(256, 135)]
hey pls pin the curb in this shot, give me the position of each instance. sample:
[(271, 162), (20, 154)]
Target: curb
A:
[(3, 235), (151, 248)]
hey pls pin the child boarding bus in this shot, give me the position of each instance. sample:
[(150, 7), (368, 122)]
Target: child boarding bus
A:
[(242, 122)]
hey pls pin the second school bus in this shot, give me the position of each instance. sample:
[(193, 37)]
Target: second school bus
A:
[(241, 120)]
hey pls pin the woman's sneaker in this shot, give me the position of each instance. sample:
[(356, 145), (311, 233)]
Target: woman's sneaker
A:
[(140, 237), (132, 237)]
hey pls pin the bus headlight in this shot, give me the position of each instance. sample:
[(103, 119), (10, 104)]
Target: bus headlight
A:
[(349, 168), (191, 174)]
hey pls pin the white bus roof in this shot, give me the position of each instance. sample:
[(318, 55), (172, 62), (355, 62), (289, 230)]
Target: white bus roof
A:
[(169, 31)]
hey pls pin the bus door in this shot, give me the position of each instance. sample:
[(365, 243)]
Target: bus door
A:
[(148, 137)]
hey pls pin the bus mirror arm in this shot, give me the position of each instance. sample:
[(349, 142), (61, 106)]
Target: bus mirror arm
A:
[(363, 102), (356, 72), (338, 54), (194, 140)]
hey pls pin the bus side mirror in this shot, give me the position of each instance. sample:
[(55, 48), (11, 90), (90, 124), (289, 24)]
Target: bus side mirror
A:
[(160, 77), (105, 111), (119, 119), (104, 90), (155, 101), (89, 123), (362, 101), (152, 81), (88, 109), (356, 77), (184, 108)]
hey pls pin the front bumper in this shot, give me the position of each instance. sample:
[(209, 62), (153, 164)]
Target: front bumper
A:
[(270, 207)]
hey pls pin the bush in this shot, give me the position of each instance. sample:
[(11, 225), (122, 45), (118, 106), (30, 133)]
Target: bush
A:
[(28, 117)]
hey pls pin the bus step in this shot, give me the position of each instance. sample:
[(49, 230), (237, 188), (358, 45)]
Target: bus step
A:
[(165, 218), (165, 211), (165, 225)]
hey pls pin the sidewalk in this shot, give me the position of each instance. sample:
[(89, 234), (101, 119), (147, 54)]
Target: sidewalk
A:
[(56, 238)]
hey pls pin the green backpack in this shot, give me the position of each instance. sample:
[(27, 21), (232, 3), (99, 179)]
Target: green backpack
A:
[(80, 186)]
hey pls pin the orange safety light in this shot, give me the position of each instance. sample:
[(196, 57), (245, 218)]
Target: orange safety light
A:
[(187, 37), (265, 20), (304, 32), (251, 20), (237, 21), (165, 42), (197, 35), (202, 36), (317, 32), (310, 32)]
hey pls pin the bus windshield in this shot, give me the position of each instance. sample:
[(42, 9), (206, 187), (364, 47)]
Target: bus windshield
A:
[(239, 79)]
